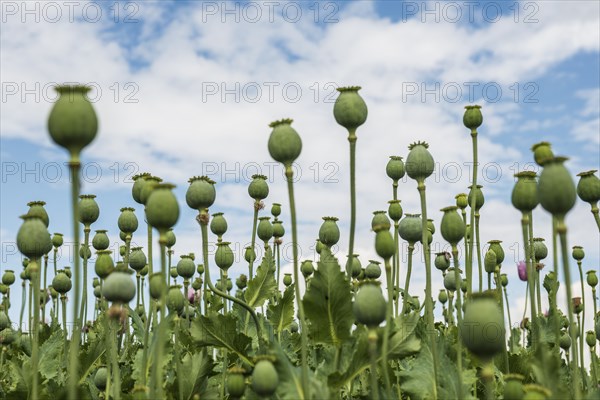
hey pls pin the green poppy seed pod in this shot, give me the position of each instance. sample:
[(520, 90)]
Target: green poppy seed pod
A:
[(462, 200), (201, 193), (350, 110), (577, 305), (525, 195), (384, 244), (218, 224), (24, 275), (591, 278), (145, 271), (497, 248), (264, 378), (536, 392), (513, 387), (355, 266), (395, 168), (588, 187), (25, 262), (118, 287), (258, 188), (503, 280), (229, 284), (590, 338), (542, 152), (380, 221), (410, 228), (68, 271), (450, 281), (479, 199), (72, 123), (419, 163), (3, 290), (307, 268), (84, 252), (8, 278), (88, 209), (171, 239), (443, 296), (57, 240), (157, 285), (241, 282), (173, 272), (287, 279), (452, 225), (395, 210), (369, 306), (104, 264), (100, 241), (95, 282), (122, 250), (162, 208), (373, 270), (4, 321), (284, 144), (175, 300), (482, 330), (278, 230), (264, 229), (472, 118), (578, 253), (224, 256), (33, 238), (565, 341), (276, 210), (128, 222), (197, 284), (148, 186), (138, 183), (137, 259), (61, 283), (100, 378), (442, 261), (294, 327), (329, 233), (236, 383), (430, 226), (540, 250), (556, 188), (249, 254), (489, 261), (186, 267), (98, 292)]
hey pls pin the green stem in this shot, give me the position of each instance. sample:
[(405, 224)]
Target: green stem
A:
[(411, 248), (537, 290), (86, 243), (253, 239), (595, 214), (145, 351), (35, 276), (561, 228), (387, 328), (487, 376), (499, 292), (74, 167), (45, 286), (432, 333), (157, 389), (582, 330), (469, 265), (530, 279), (149, 230), (352, 141), (554, 306), (63, 301), (289, 174), (54, 259), (29, 309), (458, 317), (23, 302), (581, 347), (396, 267), (478, 247), (372, 338), (594, 300), (116, 373), (508, 312), (178, 366)]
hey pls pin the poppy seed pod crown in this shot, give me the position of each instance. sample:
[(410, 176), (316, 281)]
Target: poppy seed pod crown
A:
[(36, 209), (542, 152)]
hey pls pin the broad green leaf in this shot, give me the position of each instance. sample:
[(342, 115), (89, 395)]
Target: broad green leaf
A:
[(403, 341), (328, 303), (198, 368), (261, 287), (281, 314), (221, 331), (51, 356), (290, 381)]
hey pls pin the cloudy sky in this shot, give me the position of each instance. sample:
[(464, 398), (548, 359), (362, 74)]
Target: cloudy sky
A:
[(189, 88)]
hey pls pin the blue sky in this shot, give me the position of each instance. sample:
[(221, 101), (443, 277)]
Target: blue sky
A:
[(183, 89)]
